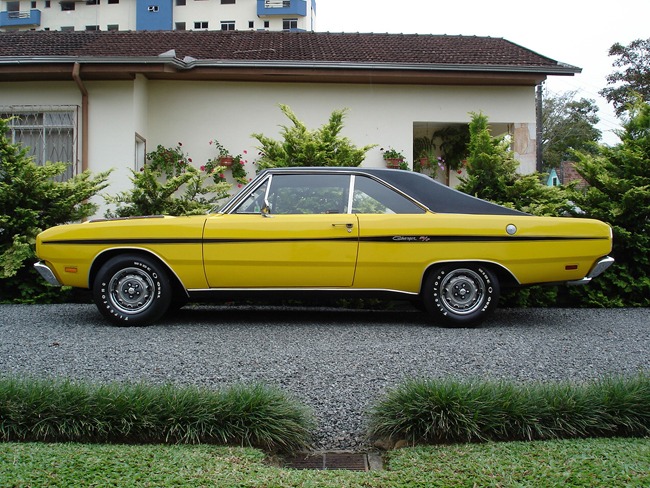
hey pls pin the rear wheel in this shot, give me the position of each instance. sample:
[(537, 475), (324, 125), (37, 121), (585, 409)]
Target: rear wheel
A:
[(460, 295), (132, 290)]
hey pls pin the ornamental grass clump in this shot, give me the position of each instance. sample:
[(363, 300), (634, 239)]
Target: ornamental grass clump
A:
[(66, 411), (441, 411)]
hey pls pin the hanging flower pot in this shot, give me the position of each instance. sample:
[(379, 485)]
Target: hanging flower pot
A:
[(425, 163), (226, 161)]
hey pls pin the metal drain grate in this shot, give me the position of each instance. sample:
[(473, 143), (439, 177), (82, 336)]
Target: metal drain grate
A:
[(352, 461)]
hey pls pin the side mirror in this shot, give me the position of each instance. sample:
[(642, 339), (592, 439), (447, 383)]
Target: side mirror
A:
[(266, 210)]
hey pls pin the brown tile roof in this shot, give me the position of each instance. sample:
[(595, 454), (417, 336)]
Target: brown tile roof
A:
[(300, 47)]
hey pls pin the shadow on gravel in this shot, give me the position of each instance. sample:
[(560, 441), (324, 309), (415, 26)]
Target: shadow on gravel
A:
[(298, 316)]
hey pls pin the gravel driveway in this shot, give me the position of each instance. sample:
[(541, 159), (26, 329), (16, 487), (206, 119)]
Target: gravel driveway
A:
[(337, 361)]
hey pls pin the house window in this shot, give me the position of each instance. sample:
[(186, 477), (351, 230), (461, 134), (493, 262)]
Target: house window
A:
[(113, 1), (180, 26), (48, 132), (200, 25), (288, 24), (67, 28), (67, 6), (13, 7), (92, 27), (92, 2), (267, 24), (33, 5), (180, 3), (251, 24), (227, 2), (113, 27), (228, 25), (48, 4)]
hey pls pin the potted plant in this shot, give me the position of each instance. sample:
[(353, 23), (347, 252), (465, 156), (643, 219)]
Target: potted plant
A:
[(424, 151), (225, 158), (393, 158)]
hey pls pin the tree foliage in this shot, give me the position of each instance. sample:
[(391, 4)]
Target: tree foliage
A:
[(168, 185), (492, 175), (633, 78), (303, 147), (567, 125), (31, 201), (619, 194)]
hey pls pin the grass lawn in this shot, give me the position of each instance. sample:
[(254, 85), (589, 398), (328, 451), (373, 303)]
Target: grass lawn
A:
[(591, 462)]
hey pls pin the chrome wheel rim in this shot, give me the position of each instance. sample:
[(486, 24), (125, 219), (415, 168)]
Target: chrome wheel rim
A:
[(131, 290), (462, 291)]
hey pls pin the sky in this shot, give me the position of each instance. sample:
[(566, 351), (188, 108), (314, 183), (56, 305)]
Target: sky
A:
[(576, 32)]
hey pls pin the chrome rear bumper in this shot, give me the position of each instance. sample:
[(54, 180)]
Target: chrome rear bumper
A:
[(601, 265), (46, 273)]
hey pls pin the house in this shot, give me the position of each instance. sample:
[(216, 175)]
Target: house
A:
[(128, 15), (103, 99)]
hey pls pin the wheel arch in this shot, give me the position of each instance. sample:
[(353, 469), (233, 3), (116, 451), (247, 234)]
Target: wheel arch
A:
[(506, 278), (103, 257)]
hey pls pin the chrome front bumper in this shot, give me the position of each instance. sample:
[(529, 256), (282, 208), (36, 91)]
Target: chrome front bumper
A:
[(46, 273), (601, 265)]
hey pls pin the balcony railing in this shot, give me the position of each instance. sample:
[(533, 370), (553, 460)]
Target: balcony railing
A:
[(281, 7), (31, 18)]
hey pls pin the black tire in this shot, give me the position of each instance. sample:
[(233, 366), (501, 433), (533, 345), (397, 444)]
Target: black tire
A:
[(460, 295), (132, 290)]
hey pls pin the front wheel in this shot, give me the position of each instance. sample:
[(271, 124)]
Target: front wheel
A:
[(460, 295), (132, 290)]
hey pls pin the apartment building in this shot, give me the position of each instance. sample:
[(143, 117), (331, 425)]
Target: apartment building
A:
[(157, 15)]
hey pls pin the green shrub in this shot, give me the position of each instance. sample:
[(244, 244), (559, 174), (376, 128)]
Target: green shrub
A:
[(66, 411), (437, 411), (31, 201), (303, 147), (619, 194)]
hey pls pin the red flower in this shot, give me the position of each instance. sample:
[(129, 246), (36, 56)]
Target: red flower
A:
[(245, 151), (189, 159), (202, 168), (180, 143)]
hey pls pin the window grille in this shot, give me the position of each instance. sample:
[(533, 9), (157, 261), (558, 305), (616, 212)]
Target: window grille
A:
[(49, 133)]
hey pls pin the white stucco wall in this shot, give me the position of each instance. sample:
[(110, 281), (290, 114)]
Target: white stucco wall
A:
[(194, 113)]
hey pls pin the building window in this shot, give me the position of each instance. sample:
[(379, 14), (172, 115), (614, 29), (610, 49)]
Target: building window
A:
[(200, 25), (180, 3), (113, 1), (33, 5), (113, 27), (67, 28), (48, 4), (92, 27), (180, 26), (67, 6), (277, 3), (48, 132), (228, 25), (288, 24), (251, 24), (92, 2), (267, 24), (227, 2)]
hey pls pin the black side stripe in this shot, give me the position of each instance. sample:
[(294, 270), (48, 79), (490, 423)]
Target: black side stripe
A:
[(378, 239)]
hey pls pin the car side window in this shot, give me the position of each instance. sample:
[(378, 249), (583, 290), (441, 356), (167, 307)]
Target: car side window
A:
[(309, 194), (254, 203), (371, 197)]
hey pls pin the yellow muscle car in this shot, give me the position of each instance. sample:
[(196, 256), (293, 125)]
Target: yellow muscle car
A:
[(334, 231)]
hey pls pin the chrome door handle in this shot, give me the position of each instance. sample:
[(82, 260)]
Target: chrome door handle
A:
[(347, 226)]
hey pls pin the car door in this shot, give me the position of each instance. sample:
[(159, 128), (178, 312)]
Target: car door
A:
[(294, 230)]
